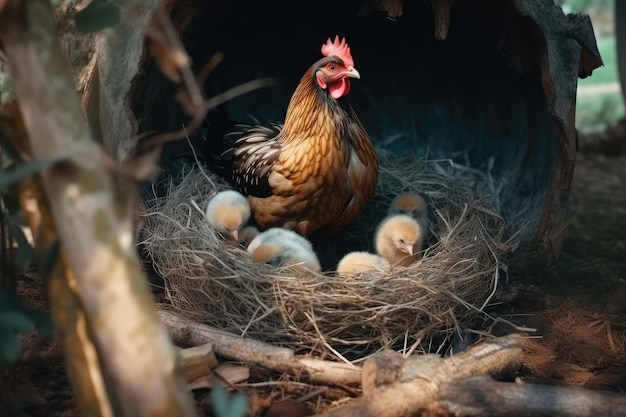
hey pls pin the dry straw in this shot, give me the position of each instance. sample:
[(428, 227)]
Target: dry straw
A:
[(210, 280)]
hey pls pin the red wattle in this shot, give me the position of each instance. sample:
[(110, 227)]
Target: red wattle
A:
[(339, 89)]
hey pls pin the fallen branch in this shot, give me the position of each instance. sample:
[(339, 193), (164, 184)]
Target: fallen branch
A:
[(484, 397), (421, 385), (462, 385), (230, 346)]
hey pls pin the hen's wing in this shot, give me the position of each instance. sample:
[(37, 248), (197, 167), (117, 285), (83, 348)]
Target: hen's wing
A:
[(254, 154)]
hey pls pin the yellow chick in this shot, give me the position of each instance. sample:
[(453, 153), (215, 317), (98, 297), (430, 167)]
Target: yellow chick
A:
[(399, 239), (283, 247), (411, 204), (228, 212), (358, 262)]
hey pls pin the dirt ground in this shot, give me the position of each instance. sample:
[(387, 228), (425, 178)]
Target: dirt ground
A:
[(577, 306)]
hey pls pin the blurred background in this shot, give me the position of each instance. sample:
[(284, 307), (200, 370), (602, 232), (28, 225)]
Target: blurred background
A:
[(600, 102)]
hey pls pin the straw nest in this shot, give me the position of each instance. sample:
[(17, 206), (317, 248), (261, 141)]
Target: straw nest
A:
[(210, 280)]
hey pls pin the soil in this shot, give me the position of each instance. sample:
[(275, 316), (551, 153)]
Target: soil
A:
[(574, 311)]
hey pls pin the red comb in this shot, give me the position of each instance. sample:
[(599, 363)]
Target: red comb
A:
[(340, 49)]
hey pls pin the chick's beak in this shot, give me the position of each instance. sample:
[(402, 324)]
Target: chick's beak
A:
[(408, 248), (353, 73), (235, 234)]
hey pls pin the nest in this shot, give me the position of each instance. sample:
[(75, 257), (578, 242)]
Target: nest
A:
[(215, 282)]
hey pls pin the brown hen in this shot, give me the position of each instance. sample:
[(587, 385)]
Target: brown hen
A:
[(314, 173)]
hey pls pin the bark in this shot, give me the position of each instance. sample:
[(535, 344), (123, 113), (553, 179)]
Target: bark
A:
[(567, 51), (484, 397), (80, 355), (441, 10), (82, 363), (94, 224)]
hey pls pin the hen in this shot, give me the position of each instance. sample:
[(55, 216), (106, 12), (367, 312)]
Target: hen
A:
[(315, 172)]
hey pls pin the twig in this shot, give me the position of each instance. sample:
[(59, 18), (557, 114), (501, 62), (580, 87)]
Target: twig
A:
[(165, 22), (324, 342), (312, 394), (209, 104)]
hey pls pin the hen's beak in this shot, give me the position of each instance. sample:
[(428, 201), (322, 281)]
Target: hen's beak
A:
[(353, 73)]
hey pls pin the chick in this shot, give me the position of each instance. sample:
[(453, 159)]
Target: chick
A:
[(228, 212), (283, 247), (246, 235), (399, 239), (411, 204), (358, 262)]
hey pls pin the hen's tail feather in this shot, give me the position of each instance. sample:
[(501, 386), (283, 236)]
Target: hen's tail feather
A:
[(212, 145), (219, 134), (230, 138), (254, 156)]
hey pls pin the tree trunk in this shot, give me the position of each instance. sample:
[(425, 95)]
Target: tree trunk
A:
[(94, 225)]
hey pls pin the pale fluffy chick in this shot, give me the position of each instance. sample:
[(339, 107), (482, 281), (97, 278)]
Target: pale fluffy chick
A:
[(399, 239), (283, 247), (358, 262), (411, 204), (228, 212)]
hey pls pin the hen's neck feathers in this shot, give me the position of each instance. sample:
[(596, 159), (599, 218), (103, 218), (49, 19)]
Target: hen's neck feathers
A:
[(311, 109)]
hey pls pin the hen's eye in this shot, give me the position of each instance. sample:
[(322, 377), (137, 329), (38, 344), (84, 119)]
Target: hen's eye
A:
[(331, 67)]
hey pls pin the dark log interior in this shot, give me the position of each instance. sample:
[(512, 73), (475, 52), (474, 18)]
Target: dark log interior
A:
[(475, 97)]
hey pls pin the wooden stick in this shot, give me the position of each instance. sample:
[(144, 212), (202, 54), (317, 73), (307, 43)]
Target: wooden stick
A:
[(252, 351), (198, 361)]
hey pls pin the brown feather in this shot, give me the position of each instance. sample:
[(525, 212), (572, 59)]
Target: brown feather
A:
[(314, 173)]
